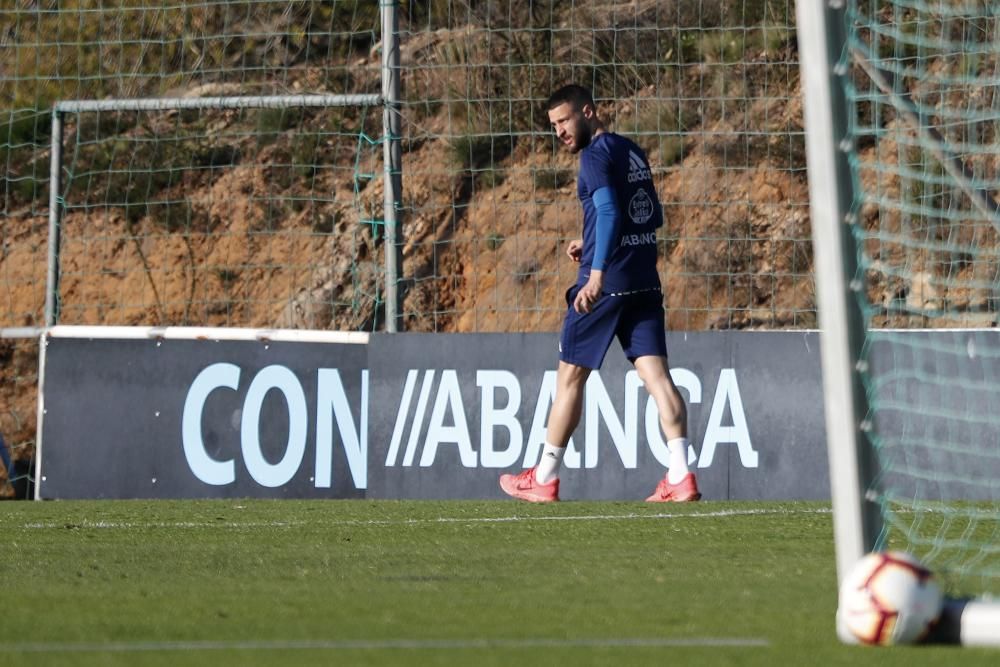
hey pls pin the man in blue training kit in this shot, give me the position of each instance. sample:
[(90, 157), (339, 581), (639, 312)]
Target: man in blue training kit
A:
[(617, 294)]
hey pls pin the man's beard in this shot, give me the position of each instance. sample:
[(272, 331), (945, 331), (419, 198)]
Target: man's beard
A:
[(582, 140)]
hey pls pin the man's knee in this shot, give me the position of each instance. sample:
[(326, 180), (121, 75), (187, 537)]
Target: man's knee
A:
[(653, 371), (572, 373)]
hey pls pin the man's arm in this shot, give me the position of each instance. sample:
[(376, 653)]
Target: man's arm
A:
[(607, 226), (605, 234)]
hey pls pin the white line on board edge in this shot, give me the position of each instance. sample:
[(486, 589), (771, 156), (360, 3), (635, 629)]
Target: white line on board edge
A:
[(207, 333)]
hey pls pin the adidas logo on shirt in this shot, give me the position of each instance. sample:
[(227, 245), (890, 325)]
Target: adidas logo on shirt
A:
[(637, 169)]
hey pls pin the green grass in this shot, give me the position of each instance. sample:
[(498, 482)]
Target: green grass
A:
[(243, 582)]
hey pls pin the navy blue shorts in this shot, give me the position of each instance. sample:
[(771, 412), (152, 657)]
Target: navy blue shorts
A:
[(637, 320)]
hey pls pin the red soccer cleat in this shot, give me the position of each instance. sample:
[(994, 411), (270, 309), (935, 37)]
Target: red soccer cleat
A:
[(525, 487), (683, 491)]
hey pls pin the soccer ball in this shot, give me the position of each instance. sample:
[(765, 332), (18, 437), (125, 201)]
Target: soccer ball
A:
[(889, 598)]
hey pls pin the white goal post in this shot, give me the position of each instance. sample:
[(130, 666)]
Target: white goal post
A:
[(56, 195)]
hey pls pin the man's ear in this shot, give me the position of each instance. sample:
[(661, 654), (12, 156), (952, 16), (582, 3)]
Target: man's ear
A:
[(588, 111)]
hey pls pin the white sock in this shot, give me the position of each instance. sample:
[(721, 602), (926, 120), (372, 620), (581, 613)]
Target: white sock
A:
[(678, 459), (548, 467)]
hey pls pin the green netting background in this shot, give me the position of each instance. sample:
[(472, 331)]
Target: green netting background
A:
[(709, 89), (925, 114)]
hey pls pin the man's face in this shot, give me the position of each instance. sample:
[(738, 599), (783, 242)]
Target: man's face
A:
[(571, 126)]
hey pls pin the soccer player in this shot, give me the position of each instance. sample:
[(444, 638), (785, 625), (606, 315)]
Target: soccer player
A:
[(617, 294)]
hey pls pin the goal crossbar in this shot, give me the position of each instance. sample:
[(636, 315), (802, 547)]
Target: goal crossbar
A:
[(225, 102)]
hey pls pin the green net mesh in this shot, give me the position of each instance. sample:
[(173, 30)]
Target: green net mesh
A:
[(259, 217), (708, 89), (243, 217), (925, 112)]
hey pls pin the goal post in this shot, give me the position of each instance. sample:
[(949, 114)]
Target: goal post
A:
[(144, 172), (820, 37), (58, 196), (905, 252)]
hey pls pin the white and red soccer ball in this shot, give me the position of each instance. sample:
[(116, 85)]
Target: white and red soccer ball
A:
[(889, 598)]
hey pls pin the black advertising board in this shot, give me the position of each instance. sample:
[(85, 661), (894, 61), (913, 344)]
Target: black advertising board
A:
[(416, 416), (456, 412), (154, 418)]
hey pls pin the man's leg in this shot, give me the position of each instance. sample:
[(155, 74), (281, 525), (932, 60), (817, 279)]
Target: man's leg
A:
[(567, 407), (541, 483), (583, 342), (654, 372), (679, 484)]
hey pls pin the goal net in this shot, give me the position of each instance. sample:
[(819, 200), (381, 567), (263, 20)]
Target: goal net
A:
[(924, 127), (219, 210), (915, 114)]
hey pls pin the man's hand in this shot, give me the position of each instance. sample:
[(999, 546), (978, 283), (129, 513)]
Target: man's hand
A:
[(575, 249), (589, 293)]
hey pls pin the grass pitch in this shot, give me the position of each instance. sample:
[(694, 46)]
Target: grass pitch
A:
[(248, 582)]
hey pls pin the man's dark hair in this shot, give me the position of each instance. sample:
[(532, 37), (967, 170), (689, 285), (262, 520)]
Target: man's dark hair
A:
[(575, 95)]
